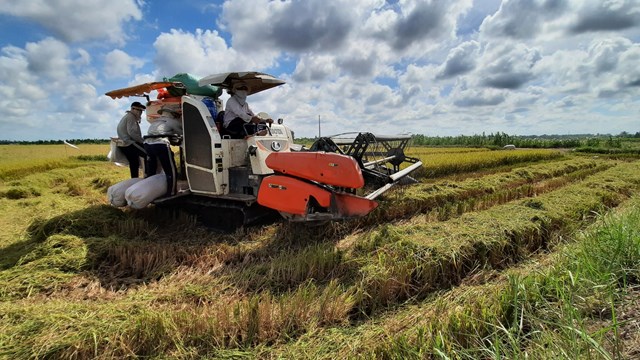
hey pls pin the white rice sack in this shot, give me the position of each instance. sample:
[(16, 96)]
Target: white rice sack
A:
[(144, 192), (115, 152), (115, 193)]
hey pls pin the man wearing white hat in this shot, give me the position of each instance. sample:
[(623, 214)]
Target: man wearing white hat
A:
[(237, 112), (131, 137), (158, 145)]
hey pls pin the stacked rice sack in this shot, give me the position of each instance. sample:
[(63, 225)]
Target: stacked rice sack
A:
[(115, 193), (137, 193)]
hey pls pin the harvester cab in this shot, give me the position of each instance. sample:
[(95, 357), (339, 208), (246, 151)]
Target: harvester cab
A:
[(237, 181)]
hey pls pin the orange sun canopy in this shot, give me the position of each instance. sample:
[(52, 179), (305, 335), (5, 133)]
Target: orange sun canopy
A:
[(142, 89)]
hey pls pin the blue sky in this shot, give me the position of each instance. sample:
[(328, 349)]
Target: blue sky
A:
[(433, 67)]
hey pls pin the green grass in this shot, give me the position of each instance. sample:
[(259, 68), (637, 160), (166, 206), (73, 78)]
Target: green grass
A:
[(563, 304), (546, 314)]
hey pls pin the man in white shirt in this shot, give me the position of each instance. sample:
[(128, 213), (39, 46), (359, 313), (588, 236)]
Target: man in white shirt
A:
[(158, 146), (237, 113)]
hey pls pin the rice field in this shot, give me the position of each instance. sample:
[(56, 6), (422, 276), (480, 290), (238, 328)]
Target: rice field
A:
[(16, 160), (446, 161), (489, 255)]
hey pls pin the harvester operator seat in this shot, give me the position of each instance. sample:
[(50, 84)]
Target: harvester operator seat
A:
[(219, 121)]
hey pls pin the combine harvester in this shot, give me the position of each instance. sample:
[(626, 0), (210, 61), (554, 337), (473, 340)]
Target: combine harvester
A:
[(232, 182)]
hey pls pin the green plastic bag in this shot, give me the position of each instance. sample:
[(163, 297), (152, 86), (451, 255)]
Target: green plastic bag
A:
[(191, 84)]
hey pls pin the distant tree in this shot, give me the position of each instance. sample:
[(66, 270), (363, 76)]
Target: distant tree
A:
[(614, 142), (593, 142)]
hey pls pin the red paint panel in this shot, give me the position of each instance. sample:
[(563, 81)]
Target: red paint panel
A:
[(351, 205), (290, 195), (326, 168)]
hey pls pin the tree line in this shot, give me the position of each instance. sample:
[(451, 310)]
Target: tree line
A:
[(498, 139), (501, 139)]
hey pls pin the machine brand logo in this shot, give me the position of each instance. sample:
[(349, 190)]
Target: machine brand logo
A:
[(276, 146), (277, 186)]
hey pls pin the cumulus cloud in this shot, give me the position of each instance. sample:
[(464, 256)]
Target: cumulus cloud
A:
[(425, 20), (120, 64), (564, 72), (202, 53), (314, 68), (78, 20), (508, 66), (606, 68), (296, 26), (460, 60), (470, 21), (48, 58), (614, 66), (607, 16), (357, 63), (37, 87), (416, 23), (84, 58), (528, 19), (479, 97), (26, 74), (524, 19), (303, 26)]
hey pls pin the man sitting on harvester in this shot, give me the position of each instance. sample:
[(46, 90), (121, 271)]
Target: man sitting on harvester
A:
[(239, 119)]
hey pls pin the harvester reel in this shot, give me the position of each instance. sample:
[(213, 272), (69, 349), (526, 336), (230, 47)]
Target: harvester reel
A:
[(325, 144)]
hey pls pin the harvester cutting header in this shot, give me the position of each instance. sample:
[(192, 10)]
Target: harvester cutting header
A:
[(229, 180)]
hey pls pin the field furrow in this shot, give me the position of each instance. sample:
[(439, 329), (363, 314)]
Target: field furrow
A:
[(443, 199)]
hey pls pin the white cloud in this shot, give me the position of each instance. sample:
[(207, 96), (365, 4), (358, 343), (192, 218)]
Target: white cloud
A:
[(507, 65), (296, 26), (315, 68), (48, 58), (460, 60), (78, 20), (43, 98), (84, 58), (607, 67), (120, 64), (479, 97), (202, 53), (614, 15), (314, 28), (550, 19)]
